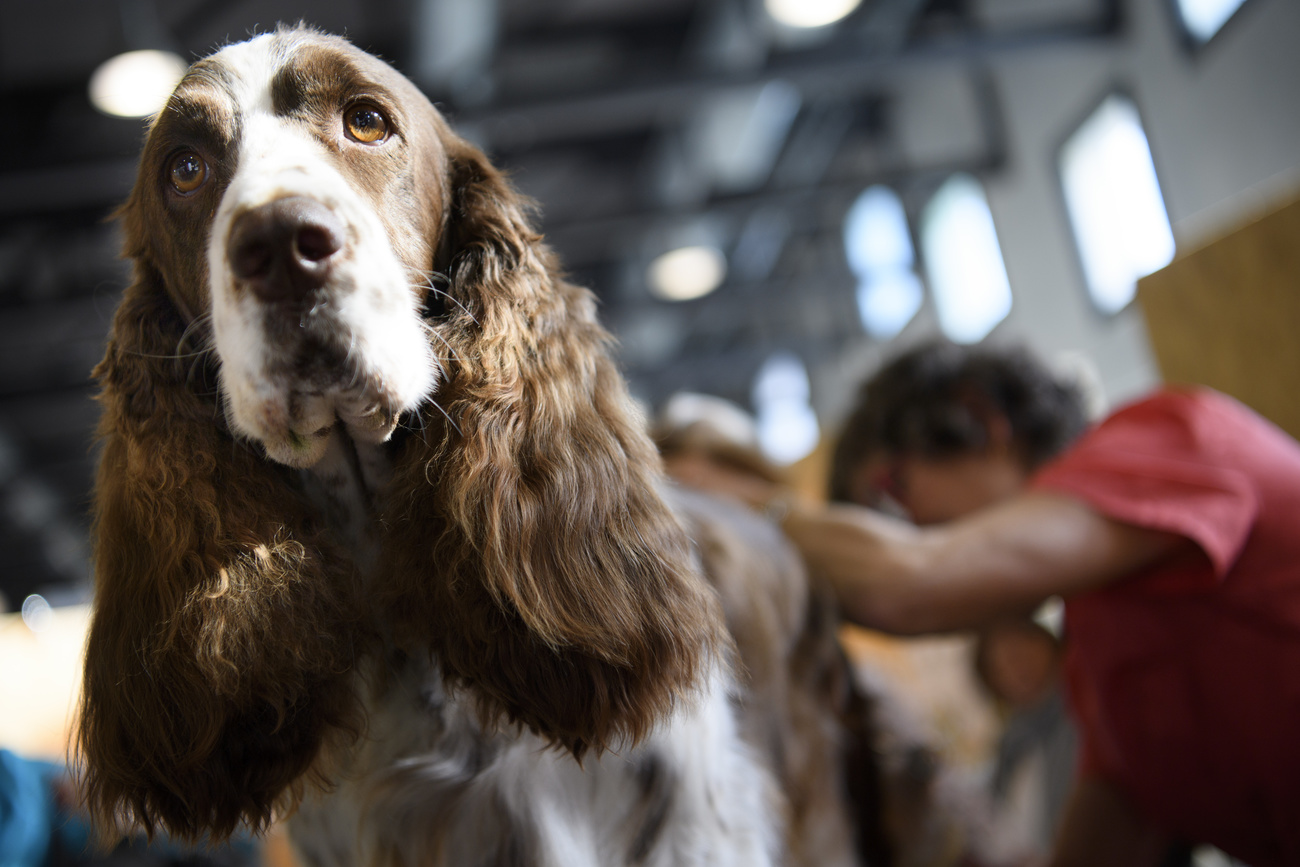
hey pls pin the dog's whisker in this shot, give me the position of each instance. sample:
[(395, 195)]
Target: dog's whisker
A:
[(447, 343), (451, 421), (352, 363), (196, 366), (413, 422), (175, 356), (453, 299), (202, 321)]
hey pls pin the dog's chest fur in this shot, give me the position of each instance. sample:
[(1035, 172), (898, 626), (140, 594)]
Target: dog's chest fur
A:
[(347, 487), (430, 784)]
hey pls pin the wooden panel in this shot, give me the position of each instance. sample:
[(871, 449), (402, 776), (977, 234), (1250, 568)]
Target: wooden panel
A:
[(1228, 316)]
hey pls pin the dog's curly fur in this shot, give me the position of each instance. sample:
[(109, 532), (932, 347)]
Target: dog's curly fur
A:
[(225, 625), (524, 541)]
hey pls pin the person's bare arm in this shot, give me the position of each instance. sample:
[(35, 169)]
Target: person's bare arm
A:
[(1003, 559), (1006, 558), (1100, 826)]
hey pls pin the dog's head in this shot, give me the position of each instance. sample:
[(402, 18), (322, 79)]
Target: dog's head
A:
[(292, 188), (342, 263)]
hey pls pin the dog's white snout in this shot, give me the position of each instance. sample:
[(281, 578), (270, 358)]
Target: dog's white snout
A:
[(286, 248), (314, 315)]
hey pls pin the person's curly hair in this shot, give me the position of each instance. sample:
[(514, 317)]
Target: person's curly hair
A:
[(936, 401)]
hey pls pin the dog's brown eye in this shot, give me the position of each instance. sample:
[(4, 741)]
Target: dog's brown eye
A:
[(188, 172), (366, 124)]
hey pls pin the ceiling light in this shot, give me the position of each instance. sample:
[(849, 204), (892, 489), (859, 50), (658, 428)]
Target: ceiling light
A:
[(137, 83), (809, 13), (687, 273)]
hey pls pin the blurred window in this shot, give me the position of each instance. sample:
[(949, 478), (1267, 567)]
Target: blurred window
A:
[(1204, 18), (879, 251), (787, 425), (964, 261), (1114, 201)]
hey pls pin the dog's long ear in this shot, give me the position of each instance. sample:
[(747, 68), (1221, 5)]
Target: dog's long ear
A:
[(529, 545), (216, 664)]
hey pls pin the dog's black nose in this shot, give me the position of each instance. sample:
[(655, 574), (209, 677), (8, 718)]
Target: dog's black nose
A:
[(284, 249)]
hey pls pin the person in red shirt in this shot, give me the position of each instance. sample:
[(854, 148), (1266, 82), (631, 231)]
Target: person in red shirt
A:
[(1172, 530)]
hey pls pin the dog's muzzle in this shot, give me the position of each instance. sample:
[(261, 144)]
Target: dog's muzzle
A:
[(285, 249)]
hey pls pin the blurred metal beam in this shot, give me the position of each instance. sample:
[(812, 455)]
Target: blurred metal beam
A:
[(52, 345), (843, 69), (885, 25), (602, 240), (73, 187), (40, 515), (727, 373)]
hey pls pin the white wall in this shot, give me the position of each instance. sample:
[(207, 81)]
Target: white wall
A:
[(1224, 129)]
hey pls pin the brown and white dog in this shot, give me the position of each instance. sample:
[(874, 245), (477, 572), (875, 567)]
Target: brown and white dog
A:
[(381, 543)]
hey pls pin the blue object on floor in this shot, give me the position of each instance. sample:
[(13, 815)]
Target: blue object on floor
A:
[(27, 810)]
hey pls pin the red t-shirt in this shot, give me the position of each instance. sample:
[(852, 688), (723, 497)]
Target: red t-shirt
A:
[(1185, 677)]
